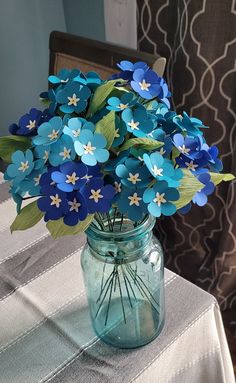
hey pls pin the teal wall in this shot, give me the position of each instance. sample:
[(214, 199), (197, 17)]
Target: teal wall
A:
[(85, 18), (25, 26)]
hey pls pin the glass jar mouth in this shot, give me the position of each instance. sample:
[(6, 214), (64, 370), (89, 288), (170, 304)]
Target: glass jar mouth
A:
[(145, 226)]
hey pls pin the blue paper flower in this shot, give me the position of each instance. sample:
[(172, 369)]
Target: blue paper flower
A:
[(215, 164), (62, 151), (120, 132), (125, 65), (31, 184), (159, 199), (119, 104), (93, 172), (73, 97), (91, 79), (131, 202), (98, 197), (137, 121), (190, 125), (71, 176), (46, 180), (159, 135), (77, 208), (22, 165), (111, 165), (64, 76), (195, 166), (75, 125), (163, 169), (53, 203), (49, 132), (133, 173), (28, 123), (149, 85), (91, 147), (188, 146)]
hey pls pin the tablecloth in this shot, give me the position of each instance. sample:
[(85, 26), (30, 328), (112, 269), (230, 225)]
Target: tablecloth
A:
[(45, 329)]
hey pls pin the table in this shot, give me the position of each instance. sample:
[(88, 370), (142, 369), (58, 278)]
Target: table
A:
[(46, 334)]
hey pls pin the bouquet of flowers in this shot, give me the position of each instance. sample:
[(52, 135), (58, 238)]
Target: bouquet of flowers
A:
[(102, 149)]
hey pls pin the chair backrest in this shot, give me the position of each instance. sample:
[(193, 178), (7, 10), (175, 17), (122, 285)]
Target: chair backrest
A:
[(69, 51)]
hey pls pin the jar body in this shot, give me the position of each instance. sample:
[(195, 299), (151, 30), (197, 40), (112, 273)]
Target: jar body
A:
[(124, 281)]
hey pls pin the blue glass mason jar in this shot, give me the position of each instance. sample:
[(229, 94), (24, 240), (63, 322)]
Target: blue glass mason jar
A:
[(124, 279)]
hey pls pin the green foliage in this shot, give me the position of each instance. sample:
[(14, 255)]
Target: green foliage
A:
[(218, 178), (9, 144), (141, 143), (58, 229), (100, 96), (189, 186), (28, 217), (106, 126)]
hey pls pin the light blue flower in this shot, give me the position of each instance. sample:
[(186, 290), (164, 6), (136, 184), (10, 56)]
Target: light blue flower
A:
[(41, 152), (120, 132), (137, 121), (119, 104), (133, 173), (131, 203), (191, 125), (49, 132), (73, 98), (75, 125), (159, 199), (62, 151), (32, 183), (22, 165), (163, 169), (91, 147)]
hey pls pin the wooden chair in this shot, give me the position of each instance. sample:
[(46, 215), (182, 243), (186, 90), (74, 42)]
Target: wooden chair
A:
[(69, 51)]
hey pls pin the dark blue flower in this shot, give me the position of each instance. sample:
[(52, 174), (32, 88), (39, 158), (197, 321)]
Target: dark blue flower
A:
[(159, 199), (73, 97), (46, 180), (77, 208), (98, 197), (131, 202), (28, 123), (53, 203), (195, 165), (215, 164), (188, 146), (137, 121), (133, 174), (71, 176)]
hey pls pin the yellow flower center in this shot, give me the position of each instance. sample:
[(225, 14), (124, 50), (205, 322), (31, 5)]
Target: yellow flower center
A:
[(117, 135), (53, 135), (74, 205), (134, 199), (159, 199), (134, 178), (123, 106), (36, 180), (71, 179), (55, 200), (183, 149), (31, 125), (95, 195), (191, 166), (88, 149), (65, 154), (117, 187), (73, 100), (133, 125), (144, 85), (24, 166)]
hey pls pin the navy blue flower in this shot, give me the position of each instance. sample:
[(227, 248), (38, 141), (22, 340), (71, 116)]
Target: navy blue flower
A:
[(77, 208), (46, 180), (28, 123), (73, 97), (131, 203), (71, 176), (133, 174), (159, 199), (53, 203), (98, 197), (137, 121)]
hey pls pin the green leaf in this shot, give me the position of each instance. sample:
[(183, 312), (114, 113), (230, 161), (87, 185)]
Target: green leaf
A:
[(100, 95), (217, 178), (58, 229), (189, 186), (106, 126), (9, 144), (28, 217), (142, 143)]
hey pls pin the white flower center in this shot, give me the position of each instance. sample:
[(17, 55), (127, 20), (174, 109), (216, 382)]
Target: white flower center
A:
[(117, 187), (123, 106), (134, 178), (46, 155), (71, 179), (65, 154), (191, 166), (88, 149), (95, 195), (31, 125), (183, 149), (134, 199), (55, 200), (36, 180), (53, 135), (159, 199), (144, 85), (74, 205), (157, 171), (133, 125), (73, 100), (117, 135), (76, 133), (24, 166)]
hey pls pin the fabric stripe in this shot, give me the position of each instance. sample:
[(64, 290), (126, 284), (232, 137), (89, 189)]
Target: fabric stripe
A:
[(34, 260), (115, 365), (59, 337)]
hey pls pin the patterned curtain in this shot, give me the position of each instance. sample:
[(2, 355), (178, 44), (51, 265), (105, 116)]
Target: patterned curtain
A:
[(198, 38)]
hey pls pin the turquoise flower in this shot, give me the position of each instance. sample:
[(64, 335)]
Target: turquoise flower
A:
[(162, 169), (191, 125), (22, 165), (159, 199), (120, 132), (49, 132), (64, 76), (91, 147), (137, 121), (119, 104), (75, 125), (42, 153), (62, 151), (131, 202), (133, 173), (73, 98), (32, 183), (91, 79)]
